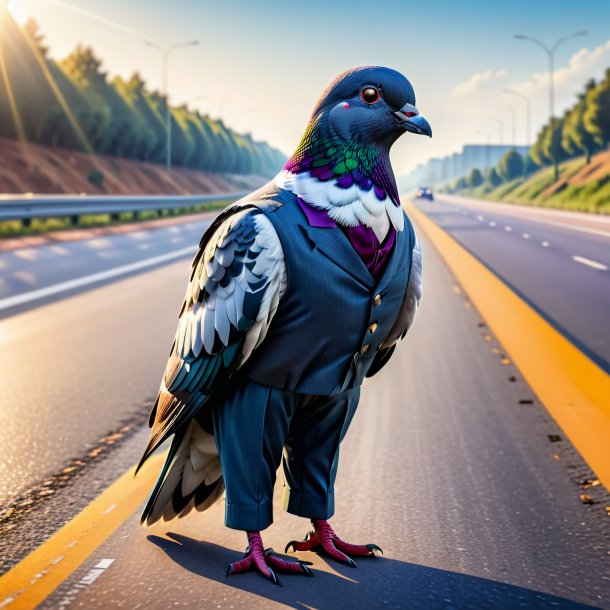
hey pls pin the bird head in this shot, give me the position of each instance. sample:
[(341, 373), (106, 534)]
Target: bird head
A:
[(370, 105), (354, 124)]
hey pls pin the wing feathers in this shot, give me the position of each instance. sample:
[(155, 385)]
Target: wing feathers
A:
[(235, 287)]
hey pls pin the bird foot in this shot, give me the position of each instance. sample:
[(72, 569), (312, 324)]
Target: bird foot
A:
[(258, 558), (324, 539)]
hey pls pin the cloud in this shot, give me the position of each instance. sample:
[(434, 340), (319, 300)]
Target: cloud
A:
[(582, 66), (476, 80)]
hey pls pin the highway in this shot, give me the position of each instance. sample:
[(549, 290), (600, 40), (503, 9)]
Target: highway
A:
[(558, 262), (452, 465)]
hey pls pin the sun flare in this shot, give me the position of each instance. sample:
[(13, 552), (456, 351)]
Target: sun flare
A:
[(16, 11)]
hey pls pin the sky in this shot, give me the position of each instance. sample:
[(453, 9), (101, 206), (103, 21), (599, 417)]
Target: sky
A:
[(262, 65)]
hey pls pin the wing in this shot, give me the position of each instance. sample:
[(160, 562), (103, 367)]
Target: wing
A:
[(238, 277), (406, 315)]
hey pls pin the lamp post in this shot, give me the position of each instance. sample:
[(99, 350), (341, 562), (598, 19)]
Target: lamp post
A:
[(528, 113), (550, 51), (165, 53)]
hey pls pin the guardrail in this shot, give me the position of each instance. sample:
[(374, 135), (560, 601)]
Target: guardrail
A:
[(26, 208)]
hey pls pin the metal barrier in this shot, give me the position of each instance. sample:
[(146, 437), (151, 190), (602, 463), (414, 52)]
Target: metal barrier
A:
[(26, 208)]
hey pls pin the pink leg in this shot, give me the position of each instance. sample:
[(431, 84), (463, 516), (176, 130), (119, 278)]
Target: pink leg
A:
[(256, 558), (324, 538)]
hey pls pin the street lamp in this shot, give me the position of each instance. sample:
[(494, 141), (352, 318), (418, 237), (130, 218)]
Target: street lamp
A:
[(528, 113), (165, 53), (550, 51)]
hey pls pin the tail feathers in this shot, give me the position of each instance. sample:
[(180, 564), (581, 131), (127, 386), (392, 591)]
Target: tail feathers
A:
[(191, 477)]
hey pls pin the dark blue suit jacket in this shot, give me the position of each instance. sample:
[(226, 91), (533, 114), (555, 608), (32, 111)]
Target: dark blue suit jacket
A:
[(334, 316)]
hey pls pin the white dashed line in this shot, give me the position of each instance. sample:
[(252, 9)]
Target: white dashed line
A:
[(88, 579), (526, 236), (480, 218), (28, 254), (509, 229), (590, 263), (492, 224), (545, 244), (41, 293)]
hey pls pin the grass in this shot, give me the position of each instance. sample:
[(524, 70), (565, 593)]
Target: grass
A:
[(592, 196), (16, 228)]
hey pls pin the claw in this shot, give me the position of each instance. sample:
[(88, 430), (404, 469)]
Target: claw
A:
[(264, 560), (310, 542), (274, 579), (324, 539)]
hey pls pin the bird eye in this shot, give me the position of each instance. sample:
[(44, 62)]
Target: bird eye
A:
[(370, 95)]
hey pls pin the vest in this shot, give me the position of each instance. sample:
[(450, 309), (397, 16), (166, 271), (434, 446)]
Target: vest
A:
[(334, 315)]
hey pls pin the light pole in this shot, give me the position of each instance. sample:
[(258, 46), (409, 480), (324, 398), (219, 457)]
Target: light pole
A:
[(165, 53), (550, 51), (528, 113)]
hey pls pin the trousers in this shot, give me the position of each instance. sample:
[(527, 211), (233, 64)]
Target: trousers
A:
[(254, 425)]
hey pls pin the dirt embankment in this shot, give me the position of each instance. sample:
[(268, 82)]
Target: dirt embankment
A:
[(597, 169), (31, 168)]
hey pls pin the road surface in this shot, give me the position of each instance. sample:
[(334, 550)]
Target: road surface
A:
[(451, 466), (559, 262)]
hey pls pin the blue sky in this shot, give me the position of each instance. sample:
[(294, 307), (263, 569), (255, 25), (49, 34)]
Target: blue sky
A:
[(262, 65)]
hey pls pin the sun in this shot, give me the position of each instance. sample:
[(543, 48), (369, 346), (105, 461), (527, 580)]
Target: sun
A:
[(16, 11)]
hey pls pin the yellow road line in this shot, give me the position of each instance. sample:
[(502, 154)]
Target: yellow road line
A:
[(574, 390), (41, 572)]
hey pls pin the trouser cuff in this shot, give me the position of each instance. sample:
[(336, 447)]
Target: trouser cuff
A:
[(248, 517), (313, 506)]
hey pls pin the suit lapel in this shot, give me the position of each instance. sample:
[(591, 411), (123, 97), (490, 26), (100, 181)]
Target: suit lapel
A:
[(332, 243)]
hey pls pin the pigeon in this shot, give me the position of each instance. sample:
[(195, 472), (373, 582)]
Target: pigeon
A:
[(298, 292)]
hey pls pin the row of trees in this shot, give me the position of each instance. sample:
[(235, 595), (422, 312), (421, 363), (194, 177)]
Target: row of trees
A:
[(582, 130), (512, 165), (74, 104)]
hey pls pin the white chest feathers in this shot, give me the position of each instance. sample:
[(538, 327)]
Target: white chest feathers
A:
[(348, 207)]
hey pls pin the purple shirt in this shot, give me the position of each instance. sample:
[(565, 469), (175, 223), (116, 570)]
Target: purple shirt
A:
[(373, 254)]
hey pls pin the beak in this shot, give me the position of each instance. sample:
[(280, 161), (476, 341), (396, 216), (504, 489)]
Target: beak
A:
[(410, 119)]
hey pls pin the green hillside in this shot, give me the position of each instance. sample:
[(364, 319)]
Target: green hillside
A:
[(72, 103)]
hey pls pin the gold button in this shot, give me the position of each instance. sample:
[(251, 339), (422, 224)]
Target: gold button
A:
[(373, 327), (365, 349), (377, 300)]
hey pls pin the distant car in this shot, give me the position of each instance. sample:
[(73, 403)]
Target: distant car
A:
[(423, 192)]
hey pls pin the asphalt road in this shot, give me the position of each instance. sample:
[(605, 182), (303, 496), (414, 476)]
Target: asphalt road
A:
[(559, 262), (449, 467), (30, 276)]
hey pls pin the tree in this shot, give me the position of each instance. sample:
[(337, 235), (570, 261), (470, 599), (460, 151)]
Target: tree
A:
[(551, 145), (537, 151), (575, 136), (87, 111), (510, 165), (475, 178), (31, 30), (596, 117), (493, 178), (530, 166), (461, 184)]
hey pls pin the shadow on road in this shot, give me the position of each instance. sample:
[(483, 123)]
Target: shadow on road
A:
[(375, 583)]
